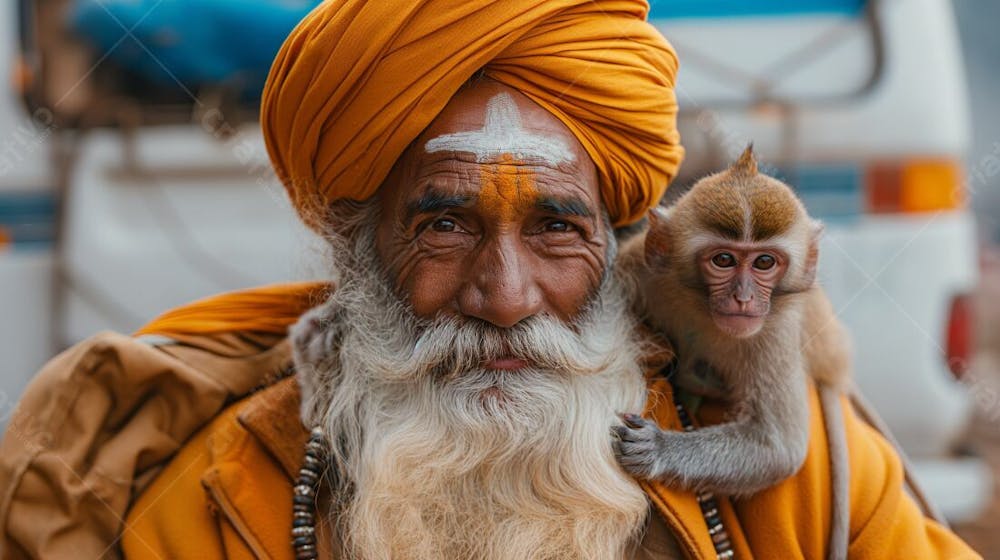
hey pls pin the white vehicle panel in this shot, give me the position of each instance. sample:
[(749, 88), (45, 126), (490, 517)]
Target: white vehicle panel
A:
[(919, 107), (891, 280), (719, 58), (215, 233)]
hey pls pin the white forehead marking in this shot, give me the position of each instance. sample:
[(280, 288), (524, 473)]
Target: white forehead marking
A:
[(503, 133)]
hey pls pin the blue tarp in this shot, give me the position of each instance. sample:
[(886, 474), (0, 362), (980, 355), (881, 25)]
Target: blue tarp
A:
[(676, 9), (199, 42), (195, 41)]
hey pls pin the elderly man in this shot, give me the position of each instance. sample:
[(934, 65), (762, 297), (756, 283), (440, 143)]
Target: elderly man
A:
[(468, 162)]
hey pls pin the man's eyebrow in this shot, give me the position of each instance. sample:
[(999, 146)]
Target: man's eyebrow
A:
[(569, 206), (434, 201)]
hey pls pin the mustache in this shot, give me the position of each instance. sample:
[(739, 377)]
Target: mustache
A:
[(449, 347)]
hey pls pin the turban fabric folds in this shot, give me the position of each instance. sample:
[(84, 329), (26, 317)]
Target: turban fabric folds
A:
[(358, 80)]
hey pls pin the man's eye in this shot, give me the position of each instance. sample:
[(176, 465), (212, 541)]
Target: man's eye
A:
[(444, 225), (558, 226)]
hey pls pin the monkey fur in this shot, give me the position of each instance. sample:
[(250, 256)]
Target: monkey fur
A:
[(763, 328)]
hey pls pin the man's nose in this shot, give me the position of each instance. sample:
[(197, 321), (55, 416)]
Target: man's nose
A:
[(501, 288)]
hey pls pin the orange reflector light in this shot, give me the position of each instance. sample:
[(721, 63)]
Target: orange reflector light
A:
[(884, 183), (5, 238), (919, 185)]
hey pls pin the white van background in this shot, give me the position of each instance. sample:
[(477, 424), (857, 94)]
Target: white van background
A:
[(844, 103)]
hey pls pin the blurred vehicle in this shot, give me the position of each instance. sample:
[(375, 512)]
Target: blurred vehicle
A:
[(169, 215), (165, 191), (862, 107), (27, 229), (168, 46)]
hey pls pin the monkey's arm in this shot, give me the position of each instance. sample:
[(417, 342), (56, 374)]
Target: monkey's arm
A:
[(315, 339), (765, 444)]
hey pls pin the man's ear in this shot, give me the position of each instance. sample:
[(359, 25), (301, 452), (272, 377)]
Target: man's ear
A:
[(658, 242)]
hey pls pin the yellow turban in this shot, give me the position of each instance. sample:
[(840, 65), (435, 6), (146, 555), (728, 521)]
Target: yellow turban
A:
[(358, 80)]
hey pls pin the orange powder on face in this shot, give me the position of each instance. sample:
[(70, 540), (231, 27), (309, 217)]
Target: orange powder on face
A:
[(507, 189)]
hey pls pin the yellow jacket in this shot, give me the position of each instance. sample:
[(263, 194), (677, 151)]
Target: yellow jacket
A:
[(150, 444)]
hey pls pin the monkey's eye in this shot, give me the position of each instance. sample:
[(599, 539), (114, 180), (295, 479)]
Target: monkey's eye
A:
[(764, 262), (724, 260)]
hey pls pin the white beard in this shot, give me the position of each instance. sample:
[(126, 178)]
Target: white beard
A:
[(438, 458)]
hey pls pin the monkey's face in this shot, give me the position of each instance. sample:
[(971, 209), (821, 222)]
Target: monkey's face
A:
[(735, 241), (739, 279)]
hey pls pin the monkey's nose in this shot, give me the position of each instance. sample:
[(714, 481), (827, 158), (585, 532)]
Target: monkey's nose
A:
[(743, 296)]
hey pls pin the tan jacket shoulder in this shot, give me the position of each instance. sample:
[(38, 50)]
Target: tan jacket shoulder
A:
[(98, 423)]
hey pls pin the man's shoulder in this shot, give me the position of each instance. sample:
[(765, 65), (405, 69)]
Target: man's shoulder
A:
[(101, 419)]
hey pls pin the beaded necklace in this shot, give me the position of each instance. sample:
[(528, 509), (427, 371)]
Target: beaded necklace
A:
[(304, 497), (709, 505)]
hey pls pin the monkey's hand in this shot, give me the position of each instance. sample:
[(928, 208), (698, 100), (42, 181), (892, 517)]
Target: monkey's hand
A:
[(640, 446), (316, 335), (726, 459)]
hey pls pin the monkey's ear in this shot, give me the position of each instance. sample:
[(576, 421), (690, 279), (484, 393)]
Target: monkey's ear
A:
[(812, 255), (658, 239), (747, 164)]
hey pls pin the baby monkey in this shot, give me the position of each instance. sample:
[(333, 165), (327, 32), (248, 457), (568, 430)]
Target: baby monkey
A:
[(728, 274)]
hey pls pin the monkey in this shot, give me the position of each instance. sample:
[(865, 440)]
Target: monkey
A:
[(728, 275)]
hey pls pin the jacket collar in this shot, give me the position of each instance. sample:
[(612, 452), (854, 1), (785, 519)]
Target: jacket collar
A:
[(272, 417)]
